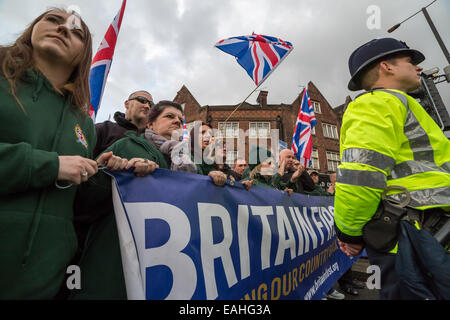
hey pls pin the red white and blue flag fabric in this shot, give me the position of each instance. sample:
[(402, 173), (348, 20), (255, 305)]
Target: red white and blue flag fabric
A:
[(101, 64), (302, 142), (259, 55), (186, 136)]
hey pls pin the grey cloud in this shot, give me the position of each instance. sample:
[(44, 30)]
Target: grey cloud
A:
[(159, 50)]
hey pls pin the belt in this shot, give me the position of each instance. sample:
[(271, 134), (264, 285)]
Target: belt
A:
[(437, 222)]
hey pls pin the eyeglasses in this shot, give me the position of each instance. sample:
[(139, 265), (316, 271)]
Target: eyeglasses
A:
[(143, 100)]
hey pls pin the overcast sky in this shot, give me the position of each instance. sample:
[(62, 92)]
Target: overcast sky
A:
[(164, 44)]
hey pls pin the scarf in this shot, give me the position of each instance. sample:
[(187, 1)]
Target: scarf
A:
[(176, 152)]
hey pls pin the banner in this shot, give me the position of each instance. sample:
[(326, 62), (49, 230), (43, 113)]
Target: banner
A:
[(183, 238)]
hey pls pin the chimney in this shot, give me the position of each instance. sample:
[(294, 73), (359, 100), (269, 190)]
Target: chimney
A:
[(262, 98)]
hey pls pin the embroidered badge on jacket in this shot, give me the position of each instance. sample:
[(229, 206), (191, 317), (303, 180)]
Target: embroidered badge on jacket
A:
[(80, 136)]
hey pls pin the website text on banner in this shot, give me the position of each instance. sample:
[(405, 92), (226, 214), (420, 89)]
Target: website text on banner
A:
[(197, 241)]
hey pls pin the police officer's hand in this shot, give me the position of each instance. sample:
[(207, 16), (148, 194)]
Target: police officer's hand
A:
[(351, 249)]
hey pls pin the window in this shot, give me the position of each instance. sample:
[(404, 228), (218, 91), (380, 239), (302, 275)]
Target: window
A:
[(313, 131), (228, 129), (316, 106), (330, 131), (333, 160), (315, 159), (259, 130), (231, 157)]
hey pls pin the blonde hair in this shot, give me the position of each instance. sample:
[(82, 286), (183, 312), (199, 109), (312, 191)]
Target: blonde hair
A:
[(255, 171)]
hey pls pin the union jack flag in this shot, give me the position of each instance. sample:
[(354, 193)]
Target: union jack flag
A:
[(259, 55), (101, 64), (185, 132), (302, 142)]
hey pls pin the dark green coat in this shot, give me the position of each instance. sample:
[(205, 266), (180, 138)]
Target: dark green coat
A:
[(260, 181), (37, 236), (318, 191), (101, 263)]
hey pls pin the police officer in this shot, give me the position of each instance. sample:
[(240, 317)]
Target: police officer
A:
[(387, 140)]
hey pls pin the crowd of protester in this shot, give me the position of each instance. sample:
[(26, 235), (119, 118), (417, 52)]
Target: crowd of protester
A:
[(43, 90)]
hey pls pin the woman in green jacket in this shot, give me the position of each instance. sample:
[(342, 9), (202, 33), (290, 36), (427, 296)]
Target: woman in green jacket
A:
[(46, 142), (101, 263), (207, 156)]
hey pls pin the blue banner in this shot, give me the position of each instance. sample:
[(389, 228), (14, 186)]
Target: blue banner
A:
[(194, 240)]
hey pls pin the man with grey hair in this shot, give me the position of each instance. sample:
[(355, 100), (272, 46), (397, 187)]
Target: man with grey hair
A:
[(137, 107)]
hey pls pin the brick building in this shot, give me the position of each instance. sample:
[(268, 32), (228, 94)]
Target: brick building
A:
[(257, 120)]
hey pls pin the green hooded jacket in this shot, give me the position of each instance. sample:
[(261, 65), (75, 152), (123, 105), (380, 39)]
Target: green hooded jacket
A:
[(37, 236), (101, 262)]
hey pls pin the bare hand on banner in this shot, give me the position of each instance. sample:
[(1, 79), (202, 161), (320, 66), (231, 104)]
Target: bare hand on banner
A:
[(248, 184), (112, 162), (144, 167), (218, 177)]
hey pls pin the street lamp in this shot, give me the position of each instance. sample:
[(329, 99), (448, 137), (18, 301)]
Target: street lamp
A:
[(432, 26), (428, 93)]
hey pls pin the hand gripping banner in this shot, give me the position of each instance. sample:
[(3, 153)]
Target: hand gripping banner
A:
[(183, 238)]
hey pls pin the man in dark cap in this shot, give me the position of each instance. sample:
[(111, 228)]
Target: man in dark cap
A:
[(391, 146)]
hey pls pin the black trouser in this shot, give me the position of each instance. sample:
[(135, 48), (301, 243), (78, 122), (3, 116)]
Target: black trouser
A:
[(390, 283)]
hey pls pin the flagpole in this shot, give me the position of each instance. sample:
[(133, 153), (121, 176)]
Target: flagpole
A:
[(243, 102)]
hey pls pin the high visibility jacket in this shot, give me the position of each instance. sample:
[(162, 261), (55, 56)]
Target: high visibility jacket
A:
[(388, 139)]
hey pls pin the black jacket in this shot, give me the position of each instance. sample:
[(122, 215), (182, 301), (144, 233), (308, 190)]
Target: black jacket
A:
[(109, 132), (304, 182)]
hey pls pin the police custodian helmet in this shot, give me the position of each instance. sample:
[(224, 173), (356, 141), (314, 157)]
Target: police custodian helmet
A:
[(374, 50)]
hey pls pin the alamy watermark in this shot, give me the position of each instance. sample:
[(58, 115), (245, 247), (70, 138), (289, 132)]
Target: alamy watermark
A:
[(74, 280), (218, 143), (374, 20), (374, 280)]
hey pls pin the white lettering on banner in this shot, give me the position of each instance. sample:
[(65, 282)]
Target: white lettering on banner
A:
[(307, 228), (210, 251), (181, 265), (301, 237), (328, 221), (244, 254), (284, 243), (266, 240), (319, 225), (324, 222), (214, 219)]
